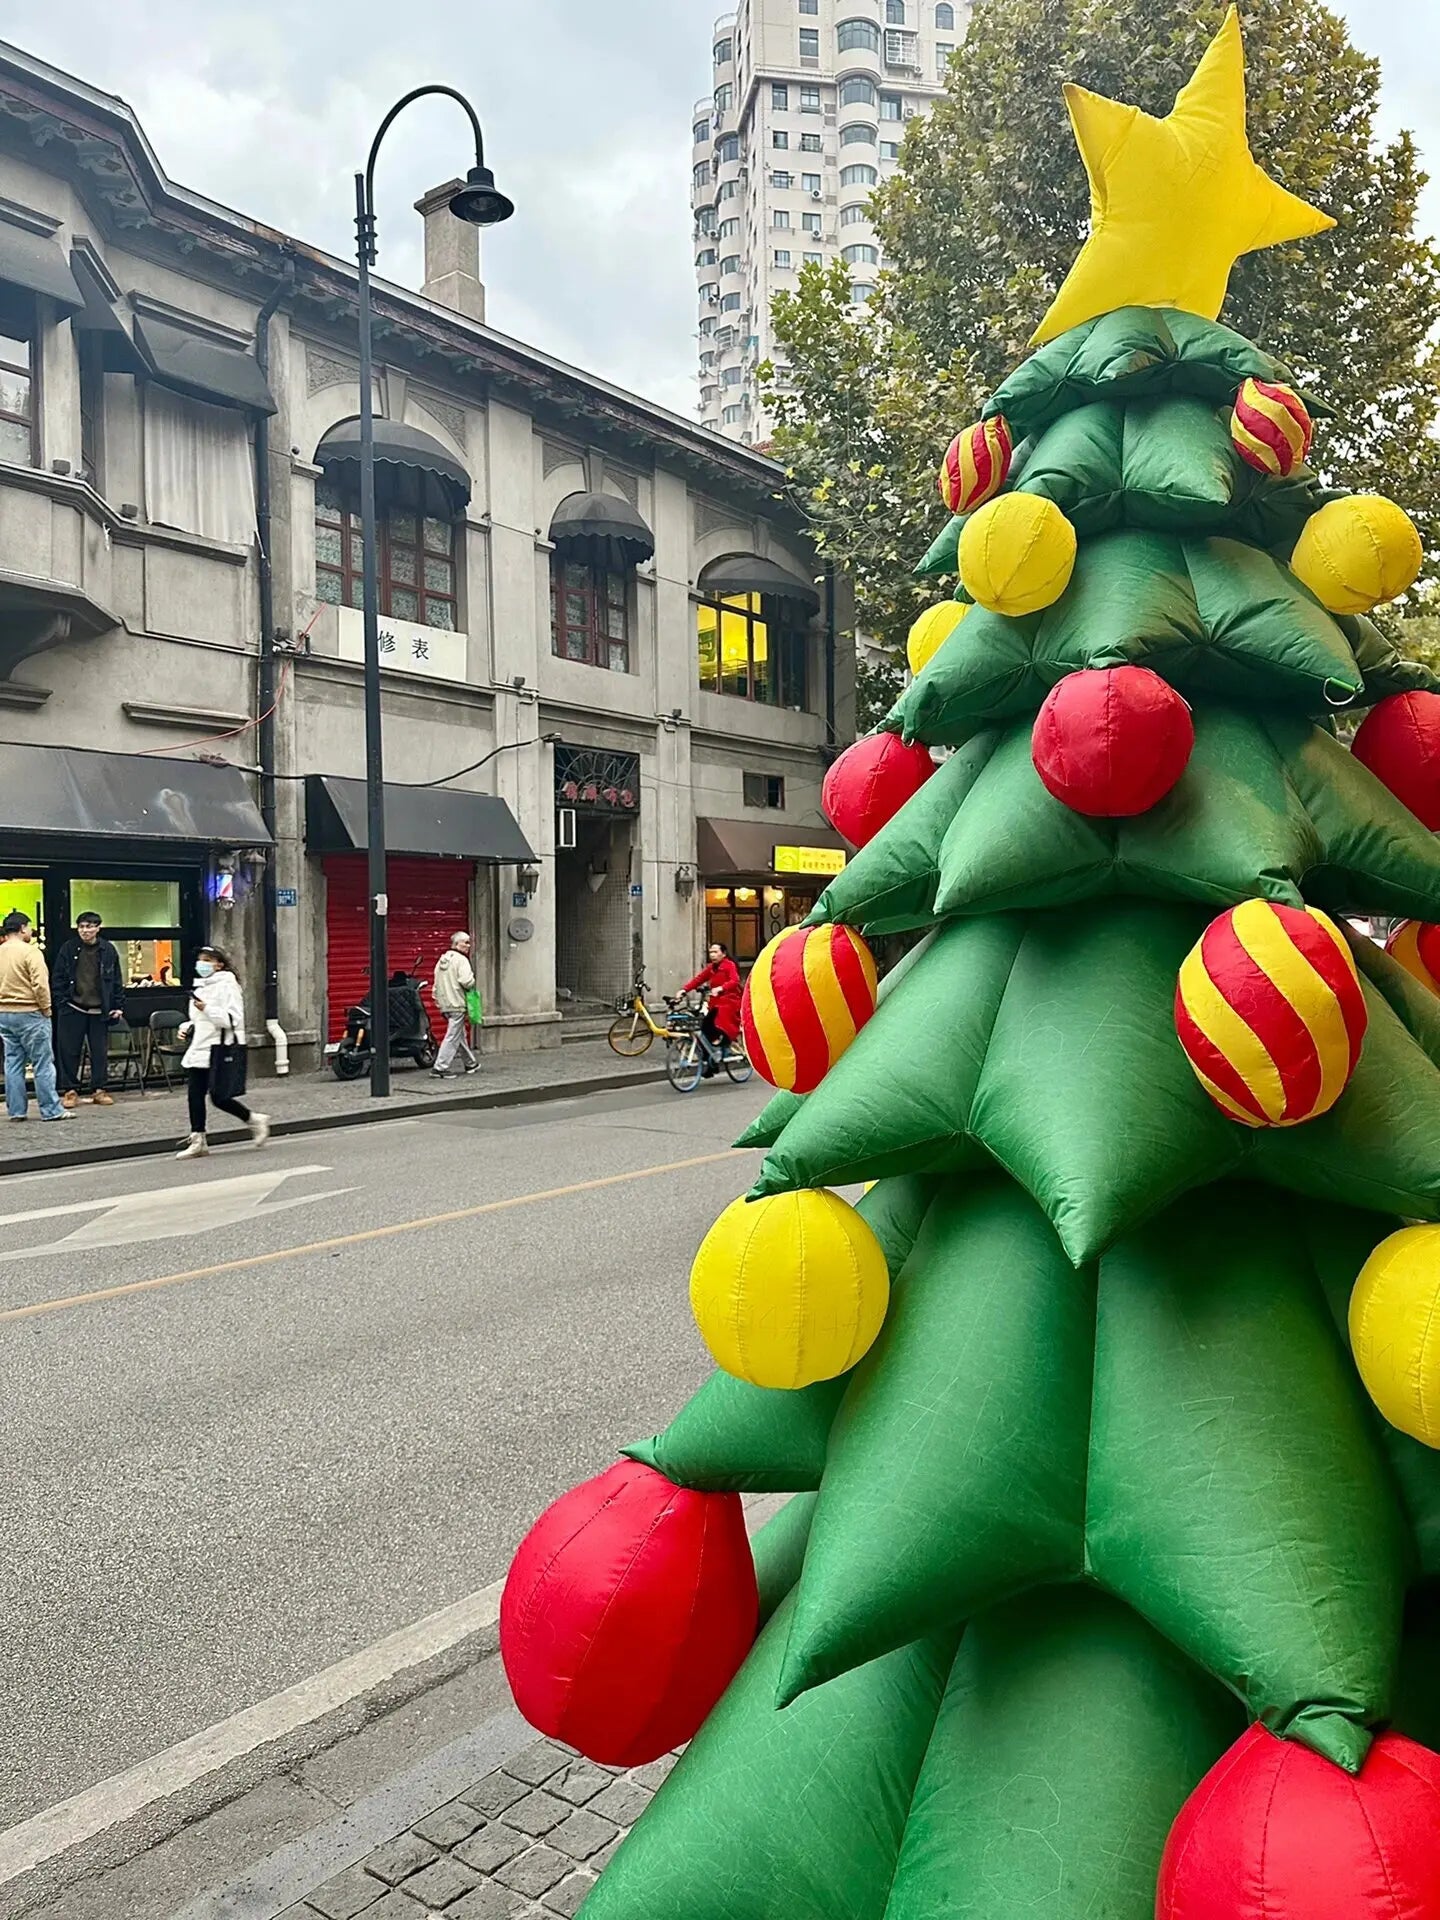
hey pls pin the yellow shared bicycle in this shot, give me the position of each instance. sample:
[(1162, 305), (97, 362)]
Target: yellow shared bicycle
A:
[(636, 1027)]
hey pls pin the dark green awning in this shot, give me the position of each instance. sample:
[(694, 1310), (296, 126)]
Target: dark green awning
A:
[(103, 319), (602, 530), (412, 469), (205, 369), (126, 796), (35, 263), (749, 573), (441, 821)]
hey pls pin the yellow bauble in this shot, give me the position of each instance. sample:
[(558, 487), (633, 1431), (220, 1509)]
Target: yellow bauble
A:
[(1395, 1330), (790, 1289), (931, 631), (1355, 554), (1017, 554)]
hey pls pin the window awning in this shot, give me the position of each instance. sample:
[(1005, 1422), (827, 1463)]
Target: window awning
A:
[(745, 849), (602, 530), (750, 573), (102, 317), (36, 263), (426, 820), (205, 369), (126, 796), (412, 469)]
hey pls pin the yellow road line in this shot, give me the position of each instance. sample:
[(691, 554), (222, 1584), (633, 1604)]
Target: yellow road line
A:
[(353, 1239)]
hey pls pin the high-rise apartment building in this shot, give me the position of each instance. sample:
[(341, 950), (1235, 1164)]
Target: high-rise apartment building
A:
[(805, 120)]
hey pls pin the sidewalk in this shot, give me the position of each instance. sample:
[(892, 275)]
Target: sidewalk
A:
[(155, 1122)]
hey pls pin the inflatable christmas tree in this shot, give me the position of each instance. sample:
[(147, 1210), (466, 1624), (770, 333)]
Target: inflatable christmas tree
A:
[(1112, 1583)]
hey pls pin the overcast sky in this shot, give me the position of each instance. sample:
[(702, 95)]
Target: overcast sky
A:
[(270, 107)]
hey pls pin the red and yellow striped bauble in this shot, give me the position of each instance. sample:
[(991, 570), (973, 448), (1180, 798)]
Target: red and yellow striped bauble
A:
[(1270, 426), (1270, 1013), (976, 464), (1415, 944), (808, 995)]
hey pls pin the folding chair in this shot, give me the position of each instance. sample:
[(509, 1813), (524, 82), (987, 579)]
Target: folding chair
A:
[(165, 1045)]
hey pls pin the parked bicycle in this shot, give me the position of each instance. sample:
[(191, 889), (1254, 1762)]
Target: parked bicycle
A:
[(688, 1052), (636, 1028)]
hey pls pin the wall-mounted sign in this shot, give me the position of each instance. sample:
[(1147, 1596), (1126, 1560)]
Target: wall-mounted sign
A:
[(520, 929), (810, 860), (287, 897), (637, 890), (404, 647)]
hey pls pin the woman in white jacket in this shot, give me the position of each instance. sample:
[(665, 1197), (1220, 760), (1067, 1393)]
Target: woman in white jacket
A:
[(217, 1014)]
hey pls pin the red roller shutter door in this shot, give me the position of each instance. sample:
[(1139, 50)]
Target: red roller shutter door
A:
[(429, 900)]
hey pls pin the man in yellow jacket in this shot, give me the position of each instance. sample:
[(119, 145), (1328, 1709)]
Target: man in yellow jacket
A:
[(25, 1022)]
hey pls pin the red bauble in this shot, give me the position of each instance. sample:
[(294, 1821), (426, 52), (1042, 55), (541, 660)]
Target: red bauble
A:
[(1399, 741), (1273, 1832), (870, 782), (626, 1612), (1112, 741)]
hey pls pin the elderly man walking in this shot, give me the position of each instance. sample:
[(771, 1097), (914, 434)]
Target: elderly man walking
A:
[(454, 979), (25, 1022)]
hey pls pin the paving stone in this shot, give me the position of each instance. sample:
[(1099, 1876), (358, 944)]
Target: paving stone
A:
[(392, 1862), (537, 1813), (491, 1848), (623, 1801), (535, 1871), (448, 1826), (580, 1783), (656, 1773), (493, 1794), (443, 1882), (568, 1896), (538, 1764), (487, 1903), (582, 1834), (346, 1895), (398, 1906), (598, 1862)]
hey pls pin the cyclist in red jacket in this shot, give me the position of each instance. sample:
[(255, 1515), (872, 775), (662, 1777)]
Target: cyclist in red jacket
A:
[(720, 1024)]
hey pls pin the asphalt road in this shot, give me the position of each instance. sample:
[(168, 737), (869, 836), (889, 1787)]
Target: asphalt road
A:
[(215, 1487)]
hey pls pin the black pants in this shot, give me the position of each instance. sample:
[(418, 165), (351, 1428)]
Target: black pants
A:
[(72, 1029), (197, 1086)]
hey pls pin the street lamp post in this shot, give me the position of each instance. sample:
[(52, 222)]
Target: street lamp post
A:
[(480, 203)]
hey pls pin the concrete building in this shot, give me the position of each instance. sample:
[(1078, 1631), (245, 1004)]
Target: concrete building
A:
[(611, 679), (809, 104)]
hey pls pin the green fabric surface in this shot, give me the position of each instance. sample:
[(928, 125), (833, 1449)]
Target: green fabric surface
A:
[(732, 1437), (1069, 1737), (1417, 1712), (956, 1466), (779, 1550), (1238, 1498), (772, 1816)]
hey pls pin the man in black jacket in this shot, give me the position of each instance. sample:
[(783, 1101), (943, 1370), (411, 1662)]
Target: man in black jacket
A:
[(85, 985)]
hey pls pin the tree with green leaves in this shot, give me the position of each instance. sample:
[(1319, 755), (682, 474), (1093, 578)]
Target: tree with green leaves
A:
[(983, 218)]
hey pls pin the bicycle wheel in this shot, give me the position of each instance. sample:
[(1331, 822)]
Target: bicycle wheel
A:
[(737, 1063), (629, 1036), (683, 1064)]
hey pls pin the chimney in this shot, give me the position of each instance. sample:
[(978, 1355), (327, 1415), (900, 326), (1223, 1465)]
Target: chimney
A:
[(452, 255)]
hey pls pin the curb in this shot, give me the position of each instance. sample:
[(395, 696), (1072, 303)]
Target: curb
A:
[(399, 1108)]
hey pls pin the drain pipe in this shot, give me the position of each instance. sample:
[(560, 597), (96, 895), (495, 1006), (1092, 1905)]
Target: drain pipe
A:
[(266, 700)]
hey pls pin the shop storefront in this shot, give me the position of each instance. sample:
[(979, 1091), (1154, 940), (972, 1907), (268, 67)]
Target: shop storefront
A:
[(437, 840), (160, 849), (597, 852), (757, 884)]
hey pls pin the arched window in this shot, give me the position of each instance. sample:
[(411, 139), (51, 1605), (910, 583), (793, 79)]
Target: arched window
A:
[(861, 176), (944, 19), (420, 490), (858, 34), (861, 256), (861, 292), (858, 135), (857, 91), (853, 215)]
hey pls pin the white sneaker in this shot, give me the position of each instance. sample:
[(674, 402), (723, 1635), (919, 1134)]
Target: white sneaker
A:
[(259, 1128), (194, 1147)]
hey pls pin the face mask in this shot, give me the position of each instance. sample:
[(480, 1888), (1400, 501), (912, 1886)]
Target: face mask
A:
[(204, 968)]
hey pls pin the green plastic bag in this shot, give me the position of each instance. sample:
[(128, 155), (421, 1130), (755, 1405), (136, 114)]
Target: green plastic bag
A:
[(474, 1006)]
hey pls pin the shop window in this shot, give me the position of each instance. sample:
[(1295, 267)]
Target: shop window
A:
[(417, 560), (746, 649), (142, 918), (17, 386), (589, 615), (764, 789)]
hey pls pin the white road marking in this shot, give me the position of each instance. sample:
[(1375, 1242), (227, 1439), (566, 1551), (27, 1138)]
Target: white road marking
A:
[(167, 1213)]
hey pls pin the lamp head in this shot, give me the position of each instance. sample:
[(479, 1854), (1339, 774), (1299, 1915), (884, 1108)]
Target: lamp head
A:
[(480, 201)]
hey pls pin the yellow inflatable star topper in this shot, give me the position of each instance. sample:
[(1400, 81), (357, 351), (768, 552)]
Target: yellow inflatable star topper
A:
[(1173, 202)]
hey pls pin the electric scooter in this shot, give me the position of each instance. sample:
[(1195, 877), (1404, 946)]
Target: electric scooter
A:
[(410, 1034)]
